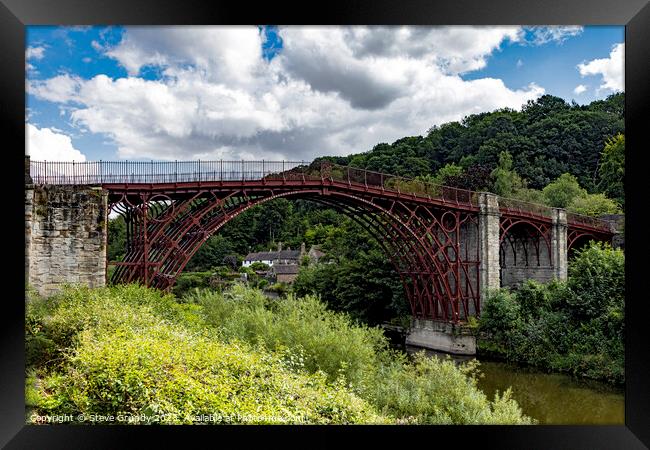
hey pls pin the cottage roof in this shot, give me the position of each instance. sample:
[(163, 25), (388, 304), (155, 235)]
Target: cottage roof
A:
[(288, 254), (286, 269), (260, 256), (271, 256)]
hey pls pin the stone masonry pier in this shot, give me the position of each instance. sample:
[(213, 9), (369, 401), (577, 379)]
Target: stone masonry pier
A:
[(65, 236)]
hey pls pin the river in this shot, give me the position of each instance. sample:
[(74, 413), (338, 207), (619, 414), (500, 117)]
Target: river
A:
[(551, 398)]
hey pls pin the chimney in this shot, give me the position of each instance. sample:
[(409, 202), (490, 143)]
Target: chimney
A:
[(279, 246)]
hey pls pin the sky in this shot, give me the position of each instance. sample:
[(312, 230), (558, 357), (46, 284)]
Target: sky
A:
[(290, 93)]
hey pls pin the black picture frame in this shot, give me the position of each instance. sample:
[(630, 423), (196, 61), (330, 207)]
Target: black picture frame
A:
[(15, 15)]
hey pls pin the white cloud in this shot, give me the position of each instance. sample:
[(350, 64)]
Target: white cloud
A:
[(580, 89), (35, 53), (331, 90), (611, 69), (557, 34), (230, 54), (59, 89), (45, 144)]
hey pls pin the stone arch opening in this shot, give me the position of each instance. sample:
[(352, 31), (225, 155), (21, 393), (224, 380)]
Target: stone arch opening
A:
[(525, 252)]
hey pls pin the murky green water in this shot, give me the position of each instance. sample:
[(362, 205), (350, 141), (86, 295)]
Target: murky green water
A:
[(552, 398)]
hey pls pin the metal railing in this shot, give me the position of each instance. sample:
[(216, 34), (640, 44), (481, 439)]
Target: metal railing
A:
[(402, 185), (588, 221), (152, 172), (524, 208)]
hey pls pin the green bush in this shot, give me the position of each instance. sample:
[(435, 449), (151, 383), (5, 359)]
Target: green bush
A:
[(596, 281), (131, 350), (440, 392), (246, 358), (187, 281), (257, 265), (427, 391), (575, 326), (330, 342), (594, 205)]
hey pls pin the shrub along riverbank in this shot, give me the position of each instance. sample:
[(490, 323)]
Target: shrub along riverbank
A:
[(577, 326), (237, 356)]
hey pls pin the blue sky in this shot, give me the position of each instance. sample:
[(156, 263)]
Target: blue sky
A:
[(553, 65), (290, 92)]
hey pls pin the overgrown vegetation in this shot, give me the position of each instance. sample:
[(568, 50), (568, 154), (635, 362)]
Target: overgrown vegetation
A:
[(575, 326), (237, 356)]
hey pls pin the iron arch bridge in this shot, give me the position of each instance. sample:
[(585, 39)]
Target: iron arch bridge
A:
[(438, 238)]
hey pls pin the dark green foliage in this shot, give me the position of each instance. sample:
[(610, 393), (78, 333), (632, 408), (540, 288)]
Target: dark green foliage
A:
[(116, 239), (612, 169), (575, 326), (210, 254), (190, 280), (356, 277), (231, 262), (596, 282), (476, 177), (547, 138)]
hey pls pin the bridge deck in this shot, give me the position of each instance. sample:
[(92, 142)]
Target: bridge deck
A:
[(176, 177)]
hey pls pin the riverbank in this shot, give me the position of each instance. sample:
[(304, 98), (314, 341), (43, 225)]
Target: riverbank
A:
[(550, 398)]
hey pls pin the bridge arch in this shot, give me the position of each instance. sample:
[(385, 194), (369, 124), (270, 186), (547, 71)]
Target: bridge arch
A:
[(525, 251), (164, 234), (444, 242)]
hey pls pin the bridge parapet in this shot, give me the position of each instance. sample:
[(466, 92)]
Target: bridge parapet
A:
[(178, 172)]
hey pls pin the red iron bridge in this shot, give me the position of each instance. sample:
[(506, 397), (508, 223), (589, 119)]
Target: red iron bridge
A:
[(447, 245)]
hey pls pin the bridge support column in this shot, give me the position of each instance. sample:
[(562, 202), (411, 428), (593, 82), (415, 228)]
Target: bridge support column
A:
[(65, 236), (441, 336), (489, 234), (559, 244)]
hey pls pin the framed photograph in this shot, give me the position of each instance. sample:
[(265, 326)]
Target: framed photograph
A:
[(378, 218)]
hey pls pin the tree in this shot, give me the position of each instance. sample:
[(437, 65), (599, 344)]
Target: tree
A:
[(259, 266), (210, 254), (530, 196), (612, 168), (116, 238), (593, 205), (506, 180), (476, 177), (445, 172), (561, 192), (231, 261)]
